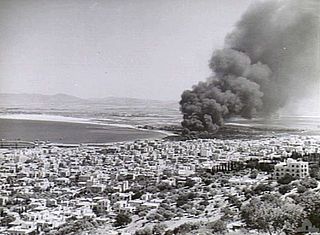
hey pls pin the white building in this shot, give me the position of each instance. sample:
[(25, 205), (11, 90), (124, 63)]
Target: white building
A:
[(103, 205), (297, 169), (205, 152)]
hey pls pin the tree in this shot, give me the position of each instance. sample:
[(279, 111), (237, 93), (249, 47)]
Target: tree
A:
[(167, 214), (262, 188), (286, 179), (217, 227), (7, 220), (144, 231), (185, 228), (272, 215), (283, 189), (309, 183), (159, 229), (310, 201), (164, 187), (253, 174), (189, 183), (234, 200), (137, 195), (315, 172), (184, 198), (227, 213), (122, 219), (301, 189)]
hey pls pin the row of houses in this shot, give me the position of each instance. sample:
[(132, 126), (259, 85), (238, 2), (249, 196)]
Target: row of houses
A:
[(44, 187)]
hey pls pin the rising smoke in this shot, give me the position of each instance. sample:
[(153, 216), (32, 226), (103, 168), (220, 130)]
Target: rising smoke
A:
[(270, 59)]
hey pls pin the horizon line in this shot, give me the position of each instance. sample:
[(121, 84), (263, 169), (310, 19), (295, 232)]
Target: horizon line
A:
[(83, 98)]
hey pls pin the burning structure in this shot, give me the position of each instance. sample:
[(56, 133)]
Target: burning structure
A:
[(268, 60)]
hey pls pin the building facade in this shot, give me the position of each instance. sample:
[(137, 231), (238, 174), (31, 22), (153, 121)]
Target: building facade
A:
[(297, 169)]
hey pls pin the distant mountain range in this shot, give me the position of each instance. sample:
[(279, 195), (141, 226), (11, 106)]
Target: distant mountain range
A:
[(11, 98), (67, 103), (27, 99)]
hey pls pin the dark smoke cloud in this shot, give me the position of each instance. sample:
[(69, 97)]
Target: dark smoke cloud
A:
[(269, 59)]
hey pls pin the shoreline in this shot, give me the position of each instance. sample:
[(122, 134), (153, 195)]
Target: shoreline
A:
[(160, 134), (45, 118), (75, 120), (65, 119)]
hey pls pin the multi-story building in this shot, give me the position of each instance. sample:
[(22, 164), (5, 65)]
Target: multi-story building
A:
[(297, 169)]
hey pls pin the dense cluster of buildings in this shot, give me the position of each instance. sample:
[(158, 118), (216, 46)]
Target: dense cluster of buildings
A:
[(45, 187)]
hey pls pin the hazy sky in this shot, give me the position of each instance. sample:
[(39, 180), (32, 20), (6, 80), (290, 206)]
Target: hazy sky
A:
[(150, 49)]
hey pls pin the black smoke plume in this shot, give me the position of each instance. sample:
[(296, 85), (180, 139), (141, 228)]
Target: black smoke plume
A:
[(270, 59)]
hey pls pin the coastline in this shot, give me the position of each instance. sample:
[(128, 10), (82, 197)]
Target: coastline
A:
[(45, 118), (65, 119), (157, 134)]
